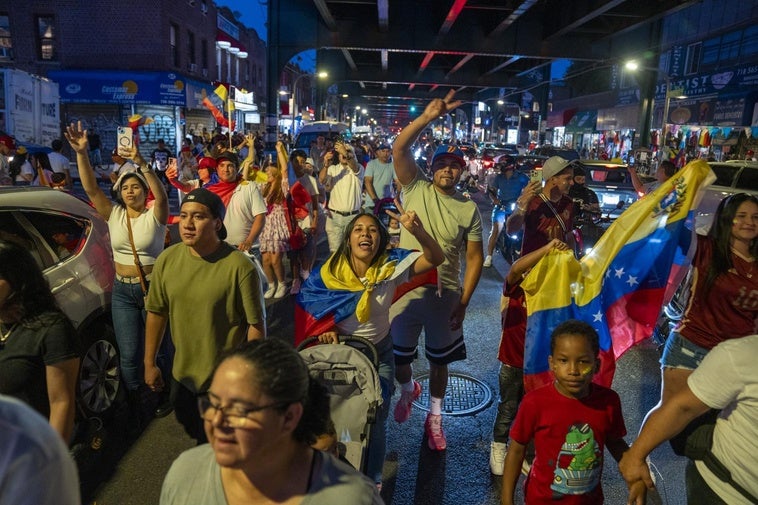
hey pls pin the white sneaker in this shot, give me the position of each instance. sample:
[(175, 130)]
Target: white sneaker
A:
[(270, 291), (498, 450), (281, 290), (487, 261), (526, 467)]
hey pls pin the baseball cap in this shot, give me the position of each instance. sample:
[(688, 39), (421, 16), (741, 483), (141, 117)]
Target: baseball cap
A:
[(553, 166), (21, 150), (448, 151), (127, 172), (7, 141), (506, 161), (383, 146), (213, 202), (229, 156), (309, 161), (207, 162)]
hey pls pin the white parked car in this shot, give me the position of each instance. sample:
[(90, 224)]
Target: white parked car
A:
[(70, 242)]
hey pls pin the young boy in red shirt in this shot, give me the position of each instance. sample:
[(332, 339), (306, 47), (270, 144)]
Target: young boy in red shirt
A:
[(570, 421)]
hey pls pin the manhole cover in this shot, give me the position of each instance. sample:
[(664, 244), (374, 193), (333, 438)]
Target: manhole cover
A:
[(464, 396)]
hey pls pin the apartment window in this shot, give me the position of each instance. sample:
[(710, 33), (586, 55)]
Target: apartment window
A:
[(6, 44), (711, 51), (692, 62), (204, 53), (46, 38), (750, 41), (173, 34), (730, 47), (191, 47)]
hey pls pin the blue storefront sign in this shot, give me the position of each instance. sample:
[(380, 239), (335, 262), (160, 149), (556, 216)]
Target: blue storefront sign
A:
[(120, 87)]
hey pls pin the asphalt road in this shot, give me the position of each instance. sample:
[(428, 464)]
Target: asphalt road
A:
[(134, 469)]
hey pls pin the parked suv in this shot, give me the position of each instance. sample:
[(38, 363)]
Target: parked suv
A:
[(70, 242)]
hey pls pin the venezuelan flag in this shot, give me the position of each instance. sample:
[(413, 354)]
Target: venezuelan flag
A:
[(619, 287)]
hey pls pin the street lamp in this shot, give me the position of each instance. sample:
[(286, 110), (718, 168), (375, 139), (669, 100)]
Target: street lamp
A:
[(320, 75)]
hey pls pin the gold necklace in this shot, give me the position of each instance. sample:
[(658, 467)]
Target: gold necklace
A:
[(4, 336)]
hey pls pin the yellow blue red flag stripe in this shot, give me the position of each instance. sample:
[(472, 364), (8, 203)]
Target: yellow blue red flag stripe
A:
[(619, 287)]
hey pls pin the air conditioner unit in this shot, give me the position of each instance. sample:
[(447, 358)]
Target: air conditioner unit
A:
[(192, 67), (205, 72)]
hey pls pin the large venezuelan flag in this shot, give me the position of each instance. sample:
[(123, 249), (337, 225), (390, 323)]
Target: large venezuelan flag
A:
[(619, 287), (318, 308)]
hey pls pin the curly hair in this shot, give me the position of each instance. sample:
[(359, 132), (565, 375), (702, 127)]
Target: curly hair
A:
[(281, 374), (576, 327), (721, 235)]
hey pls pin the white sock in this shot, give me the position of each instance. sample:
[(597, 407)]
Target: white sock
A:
[(435, 406), (408, 386)]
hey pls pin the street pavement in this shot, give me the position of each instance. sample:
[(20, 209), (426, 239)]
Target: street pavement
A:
[(412, 473)]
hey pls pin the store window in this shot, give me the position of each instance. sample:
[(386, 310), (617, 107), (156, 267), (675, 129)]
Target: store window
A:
[(711, 49), (46, 33), (6, 43), (173, 37)]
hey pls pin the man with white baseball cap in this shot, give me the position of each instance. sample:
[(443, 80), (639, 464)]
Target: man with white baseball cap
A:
[(551, 214)]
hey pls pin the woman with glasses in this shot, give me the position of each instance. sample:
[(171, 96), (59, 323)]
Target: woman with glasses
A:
[(261, 414)]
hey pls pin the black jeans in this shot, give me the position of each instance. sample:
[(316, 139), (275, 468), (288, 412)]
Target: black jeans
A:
[(511, 381), (186, 411)]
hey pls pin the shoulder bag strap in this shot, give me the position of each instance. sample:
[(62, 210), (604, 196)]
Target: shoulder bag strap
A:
[(555, 213), (142, 280)]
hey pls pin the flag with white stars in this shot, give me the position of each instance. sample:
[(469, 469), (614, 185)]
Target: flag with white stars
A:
[(619, 287)]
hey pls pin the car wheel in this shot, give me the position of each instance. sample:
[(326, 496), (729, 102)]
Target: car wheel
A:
[(99, 372)]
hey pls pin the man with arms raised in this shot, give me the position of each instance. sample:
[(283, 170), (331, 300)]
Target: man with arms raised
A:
[(454, 222)]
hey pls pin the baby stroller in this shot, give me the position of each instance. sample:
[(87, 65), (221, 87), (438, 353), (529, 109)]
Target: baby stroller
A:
[(349, 372)]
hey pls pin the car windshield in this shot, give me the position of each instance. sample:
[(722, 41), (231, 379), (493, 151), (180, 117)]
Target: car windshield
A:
[(748, 179), (725, 173)]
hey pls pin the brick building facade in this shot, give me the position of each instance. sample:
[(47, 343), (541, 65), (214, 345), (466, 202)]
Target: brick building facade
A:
[(186, 44)]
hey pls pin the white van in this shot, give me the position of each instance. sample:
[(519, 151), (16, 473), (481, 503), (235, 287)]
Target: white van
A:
[(329, 129)]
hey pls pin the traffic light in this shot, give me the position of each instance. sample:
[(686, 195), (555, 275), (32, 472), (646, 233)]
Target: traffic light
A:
[(413, 108)]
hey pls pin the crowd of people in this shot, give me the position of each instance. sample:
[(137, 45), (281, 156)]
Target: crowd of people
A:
[(190, 318)]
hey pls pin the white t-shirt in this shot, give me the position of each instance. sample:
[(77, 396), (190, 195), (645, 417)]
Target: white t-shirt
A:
[(58, 162), (727, 379), (245, 203), (378, 325), (149, 236), (26, 169), (345, 187), (36, 467)]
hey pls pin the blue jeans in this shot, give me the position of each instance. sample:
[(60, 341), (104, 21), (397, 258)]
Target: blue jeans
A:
[(128, 314), (378, 443)]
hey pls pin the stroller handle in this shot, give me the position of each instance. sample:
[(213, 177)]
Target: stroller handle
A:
[(371, 351)]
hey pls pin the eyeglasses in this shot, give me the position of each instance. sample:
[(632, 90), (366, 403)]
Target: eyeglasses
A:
[(236, 416)]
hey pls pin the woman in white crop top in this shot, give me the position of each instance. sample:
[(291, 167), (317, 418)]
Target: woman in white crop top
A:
[(130, 201)]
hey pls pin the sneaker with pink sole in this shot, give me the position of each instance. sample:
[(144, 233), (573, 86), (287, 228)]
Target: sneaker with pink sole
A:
[(435, 437), (405, 403)]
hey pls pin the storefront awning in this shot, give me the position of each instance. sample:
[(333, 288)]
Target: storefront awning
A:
[(583, 122), (618, 118), (559, 118), (119, 87)]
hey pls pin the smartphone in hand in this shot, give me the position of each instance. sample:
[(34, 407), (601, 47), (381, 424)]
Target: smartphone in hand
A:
[(124, 141), (535, 176)]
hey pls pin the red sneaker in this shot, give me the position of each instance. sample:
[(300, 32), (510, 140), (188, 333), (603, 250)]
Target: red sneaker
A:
[(405, 403), (434, 434)]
